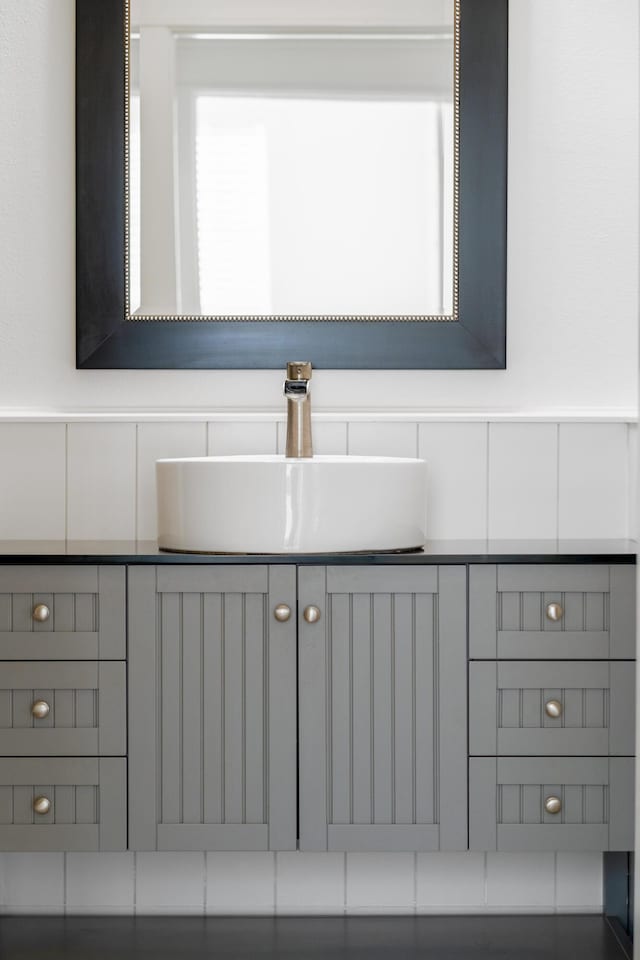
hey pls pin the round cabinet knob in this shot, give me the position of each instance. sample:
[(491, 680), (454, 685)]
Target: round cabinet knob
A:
[(554, 612), (282, 613), (41, 805), (553, 805), (553, 709), (311, 614), (41, 613), (40, 709)]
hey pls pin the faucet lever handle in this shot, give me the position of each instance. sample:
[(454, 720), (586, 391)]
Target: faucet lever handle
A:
[(299, 370)]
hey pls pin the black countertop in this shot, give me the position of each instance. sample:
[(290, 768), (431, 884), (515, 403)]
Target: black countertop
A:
[(435, 551)]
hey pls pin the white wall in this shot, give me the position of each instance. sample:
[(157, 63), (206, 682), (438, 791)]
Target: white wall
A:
[(573, 237)]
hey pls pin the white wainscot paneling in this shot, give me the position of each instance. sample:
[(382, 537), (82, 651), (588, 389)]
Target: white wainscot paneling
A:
[(240, 883), (328, 437), (521, 881), (32, 481), (101, 489), (450, 882), (377, 439), (244, 437), (170, 883), (456, 456), (594, 480), (310, 883), (380, 882), (31, 883), (633, 480), (523, 488), (579, 882), (100, 883), (155, 441)]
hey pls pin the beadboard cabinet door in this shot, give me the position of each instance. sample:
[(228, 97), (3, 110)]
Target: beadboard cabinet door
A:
[(212, 708), (383, 708)]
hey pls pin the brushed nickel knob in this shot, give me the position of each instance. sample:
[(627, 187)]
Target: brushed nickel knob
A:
[(41, 613), (553, 709), (41, 805), (555, 612), (553, 805), (282, 612), (311, 614), (40, 709)]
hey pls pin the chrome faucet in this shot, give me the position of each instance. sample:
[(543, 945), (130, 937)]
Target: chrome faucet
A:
[(298, 393)]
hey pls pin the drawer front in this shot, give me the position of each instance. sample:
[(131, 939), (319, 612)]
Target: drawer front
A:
[(62, 709), (519, 708), (510, 800), (62, 613), (552, 612), (82, 804)]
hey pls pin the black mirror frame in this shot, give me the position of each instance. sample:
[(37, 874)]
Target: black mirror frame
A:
[(107, 339)]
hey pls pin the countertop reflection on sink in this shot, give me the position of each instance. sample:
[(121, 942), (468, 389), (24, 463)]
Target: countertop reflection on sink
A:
[(271, 504)]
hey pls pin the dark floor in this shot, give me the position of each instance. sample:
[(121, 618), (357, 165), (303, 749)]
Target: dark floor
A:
[(378, 938)]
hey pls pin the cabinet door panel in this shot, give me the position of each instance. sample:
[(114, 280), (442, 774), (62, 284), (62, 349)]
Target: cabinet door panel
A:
[(212, 709), (383, 708)]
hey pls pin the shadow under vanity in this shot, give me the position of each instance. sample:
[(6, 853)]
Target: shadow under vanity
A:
[(471, 696)]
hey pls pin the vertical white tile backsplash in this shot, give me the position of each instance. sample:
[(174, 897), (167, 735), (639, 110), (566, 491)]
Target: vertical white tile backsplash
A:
[(523, 489), (243, 437), (157, 440), (594, 480), (101, 481), (456, 455), (240, 883), (452, 881), (100, 883), (383, 439), (380, 882), (170, 883), (521, 880), (633, 480), (310, 883), (32, 481), (579, 882), (31, 882)]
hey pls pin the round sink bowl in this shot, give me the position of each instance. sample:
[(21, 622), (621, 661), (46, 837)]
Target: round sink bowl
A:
[(269, 504)]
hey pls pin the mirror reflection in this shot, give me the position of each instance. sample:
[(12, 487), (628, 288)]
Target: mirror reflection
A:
[(299, 169)]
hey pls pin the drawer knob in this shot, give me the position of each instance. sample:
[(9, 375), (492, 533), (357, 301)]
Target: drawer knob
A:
[(282, 613), (41, 613), (553, 805), (41, 805), (311, 614), (553, 709), (554, 612), (40, 709)]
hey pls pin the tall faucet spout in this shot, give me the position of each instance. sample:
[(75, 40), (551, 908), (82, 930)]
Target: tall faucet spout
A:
[(297, 390)]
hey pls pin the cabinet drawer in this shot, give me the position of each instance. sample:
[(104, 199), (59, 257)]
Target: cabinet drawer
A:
[(508, 799), (62, 709), (552, 611), (551, 709), (62, 613), (86, 804)]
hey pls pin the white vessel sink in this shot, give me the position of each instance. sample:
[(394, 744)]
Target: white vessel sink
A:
[(270, 504)]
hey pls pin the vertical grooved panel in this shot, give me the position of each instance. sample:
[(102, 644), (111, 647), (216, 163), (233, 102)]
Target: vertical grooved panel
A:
[(213, 709), (510, 611), (340, 712), (85, 708), (573, 612), (595, 611), (572, 704), (233, 678), (426, 732), (191, 709), (6, 709), (22, 608), (5, 612), (531, 704), (403, 747), (22, 804), (255, 773), (85, 612), (171, 707), (6, 805), (382, 710), (572, 803), (63, 612), (86, 802), (21, 703), (361, 706), (64, 806)]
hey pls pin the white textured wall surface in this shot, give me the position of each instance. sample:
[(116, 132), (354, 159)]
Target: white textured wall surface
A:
[(573, 232)]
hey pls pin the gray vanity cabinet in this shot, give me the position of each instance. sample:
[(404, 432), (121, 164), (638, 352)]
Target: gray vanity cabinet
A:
[(383, 708), (212, 707)]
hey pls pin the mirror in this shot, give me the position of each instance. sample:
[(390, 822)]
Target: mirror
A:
[(323, 179), (292, 170)]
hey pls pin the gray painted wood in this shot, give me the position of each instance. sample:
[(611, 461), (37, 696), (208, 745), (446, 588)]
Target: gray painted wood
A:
[(88, 799), (483, 623), (212, 698), (507, 795), (507, 708), (88, 612), (622, 613), (541, 577), (383, 729)]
